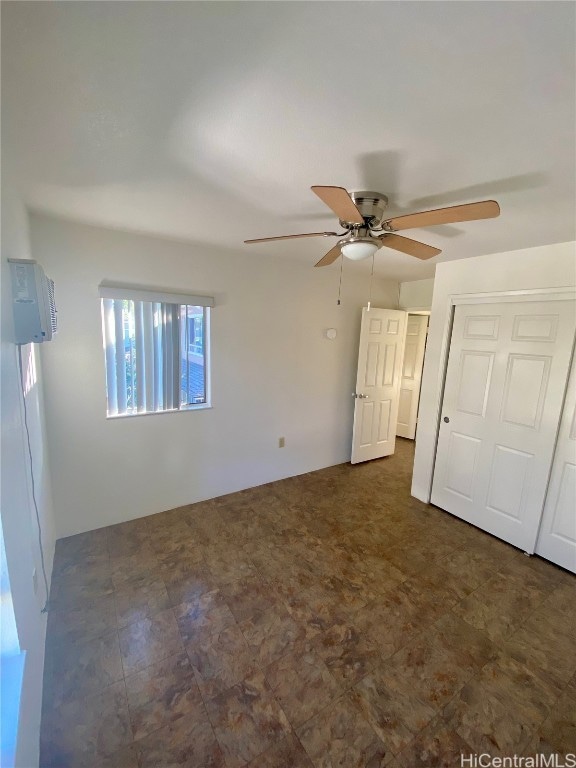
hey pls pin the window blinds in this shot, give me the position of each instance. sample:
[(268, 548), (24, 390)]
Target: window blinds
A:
[(141, 368), (142, 340)]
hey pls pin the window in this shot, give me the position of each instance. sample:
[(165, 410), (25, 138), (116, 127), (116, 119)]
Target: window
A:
[(156, 351)]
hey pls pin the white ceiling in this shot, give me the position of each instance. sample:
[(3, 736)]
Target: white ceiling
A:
[(209, 121)]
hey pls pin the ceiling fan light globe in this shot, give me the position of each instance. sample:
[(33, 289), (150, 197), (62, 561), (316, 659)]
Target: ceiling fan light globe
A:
[(359, 249)]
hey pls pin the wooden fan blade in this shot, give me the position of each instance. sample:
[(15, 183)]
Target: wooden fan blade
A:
[(330, 257), (339, 201), (411, 247), (292, 237), (487, 209)]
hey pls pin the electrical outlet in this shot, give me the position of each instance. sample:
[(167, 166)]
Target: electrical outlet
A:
[(35, 581), (281, 442)]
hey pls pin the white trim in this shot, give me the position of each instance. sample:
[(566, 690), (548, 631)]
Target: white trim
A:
[(141, 294), (502, 297), (417, 311), (184, 409)]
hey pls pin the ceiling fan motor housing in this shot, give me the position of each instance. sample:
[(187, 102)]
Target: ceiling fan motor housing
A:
[(372, 206)]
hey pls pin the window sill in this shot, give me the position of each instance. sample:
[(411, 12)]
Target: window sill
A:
[(12, 671), (199, 407)]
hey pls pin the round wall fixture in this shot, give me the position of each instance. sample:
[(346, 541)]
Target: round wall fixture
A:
[(331, 333)]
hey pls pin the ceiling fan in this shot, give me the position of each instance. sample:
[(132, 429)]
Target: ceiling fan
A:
[(361, 215)]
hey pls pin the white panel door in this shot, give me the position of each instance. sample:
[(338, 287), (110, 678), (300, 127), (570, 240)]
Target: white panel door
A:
[(557, 537), (380, 353), (416, 330), (505, 383)]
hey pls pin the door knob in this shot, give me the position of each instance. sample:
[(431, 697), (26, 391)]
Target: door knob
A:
[(360, 397), (446, 419)]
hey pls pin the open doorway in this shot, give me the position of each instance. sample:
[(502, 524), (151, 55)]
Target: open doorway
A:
[(411, 378)]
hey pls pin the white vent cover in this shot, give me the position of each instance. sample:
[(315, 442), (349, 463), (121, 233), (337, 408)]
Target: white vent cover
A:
[(33, 302)]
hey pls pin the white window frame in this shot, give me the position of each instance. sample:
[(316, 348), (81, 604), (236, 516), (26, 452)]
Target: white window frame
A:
[(131, 293)]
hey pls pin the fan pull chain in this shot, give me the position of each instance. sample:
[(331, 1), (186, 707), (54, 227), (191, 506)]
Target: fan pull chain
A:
[(371, 281), (340, 281)]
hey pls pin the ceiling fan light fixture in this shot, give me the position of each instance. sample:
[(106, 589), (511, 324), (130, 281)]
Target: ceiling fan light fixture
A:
[(359, 249)]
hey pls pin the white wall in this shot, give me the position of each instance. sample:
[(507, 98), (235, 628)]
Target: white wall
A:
[(18, 516), (417, 294), (550, 266), (273, 374)]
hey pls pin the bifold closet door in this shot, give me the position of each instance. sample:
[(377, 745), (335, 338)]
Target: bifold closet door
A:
[(557, 536), (505, 383)]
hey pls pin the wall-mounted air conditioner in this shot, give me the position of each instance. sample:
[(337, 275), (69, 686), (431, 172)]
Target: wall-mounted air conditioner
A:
[(32, 301)]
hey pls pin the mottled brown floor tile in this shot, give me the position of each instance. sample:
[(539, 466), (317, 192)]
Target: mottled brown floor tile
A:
[(471, 566), (271, 634), (186, 580), (559, 729), (247, 720), (571, 687), (125, 757), (161, 693), (290, 579), (563, 599), (346, 595), (248, 596), (199, 619), (377, 573), (395, 716), (519, 688), (70, 570), (77, 669), (81, 734), (406, 559), (553, 614), (538, 745), (133, 570), (175, 541), (370, 539), (536, 571), (316, 610), (302, 684), (499, 550), (286, 753), (395, 618), (220, 661), (67, 592), (501, 604), (82, 622), (138, 603), (205, 523), (486, 723), (340, 580), (427, 669), (79, 548), (228, 564), (340, 736), (474, 648), (187, 742), (150, 640), (440, 584), (347, 652), (543, 648), (128, 538), (169, 520), (435, 747)]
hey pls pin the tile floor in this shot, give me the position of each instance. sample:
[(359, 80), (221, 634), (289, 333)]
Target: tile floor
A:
[(324, 620)]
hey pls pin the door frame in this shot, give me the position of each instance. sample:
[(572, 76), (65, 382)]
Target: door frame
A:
[(421, 312), (493, 297)]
